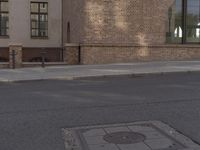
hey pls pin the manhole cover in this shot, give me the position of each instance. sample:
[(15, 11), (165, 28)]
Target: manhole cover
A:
[(124, 138)]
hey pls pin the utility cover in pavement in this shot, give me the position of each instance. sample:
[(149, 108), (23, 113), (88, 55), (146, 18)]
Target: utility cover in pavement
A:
[(124, 137), (149, 135)]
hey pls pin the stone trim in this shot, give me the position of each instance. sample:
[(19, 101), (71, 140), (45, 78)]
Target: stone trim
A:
[(71, 45), (136, 45)]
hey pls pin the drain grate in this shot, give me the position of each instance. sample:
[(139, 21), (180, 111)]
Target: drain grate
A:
[(124, 137)]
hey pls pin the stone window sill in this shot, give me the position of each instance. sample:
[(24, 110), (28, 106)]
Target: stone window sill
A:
[(39, 38), (4, 37)]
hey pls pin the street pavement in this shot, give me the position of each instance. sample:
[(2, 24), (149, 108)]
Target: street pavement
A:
[(82, 71), (32, 113)]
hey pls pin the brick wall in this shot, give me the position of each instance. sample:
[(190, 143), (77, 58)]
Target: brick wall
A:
[(71, 54), (101, 54), (117, 21), (113, 31)]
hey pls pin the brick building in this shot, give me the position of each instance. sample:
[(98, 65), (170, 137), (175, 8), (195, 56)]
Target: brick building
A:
[(110, 31), (135, 30)]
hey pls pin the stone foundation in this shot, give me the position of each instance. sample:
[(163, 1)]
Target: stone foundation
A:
[(71, 54), (17, 49)]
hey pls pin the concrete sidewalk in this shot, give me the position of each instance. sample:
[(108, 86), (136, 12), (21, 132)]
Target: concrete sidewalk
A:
[(81, 71)]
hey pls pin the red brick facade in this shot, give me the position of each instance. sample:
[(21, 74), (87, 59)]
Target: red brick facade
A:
[(112, 31), (101, 54), (117, 21)]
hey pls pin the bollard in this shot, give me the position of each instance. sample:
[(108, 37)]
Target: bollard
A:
[(13, 54), (43, 59)]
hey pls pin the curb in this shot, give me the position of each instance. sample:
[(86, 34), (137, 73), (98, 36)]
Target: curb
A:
[(136, 75)]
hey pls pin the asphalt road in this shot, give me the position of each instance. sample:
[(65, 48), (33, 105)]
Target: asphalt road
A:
[(33, 113)]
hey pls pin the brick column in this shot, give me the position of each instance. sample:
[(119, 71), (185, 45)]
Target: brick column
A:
[(71, 54), (18, 55)]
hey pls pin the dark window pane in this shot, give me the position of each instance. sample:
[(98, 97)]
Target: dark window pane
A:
[(43, 18), (174, 26), (4, 18), (34, 32), (43, 25), (43, 33), (193, 22)]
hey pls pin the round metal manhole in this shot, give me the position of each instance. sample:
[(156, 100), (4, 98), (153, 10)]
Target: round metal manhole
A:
[(124, 138)]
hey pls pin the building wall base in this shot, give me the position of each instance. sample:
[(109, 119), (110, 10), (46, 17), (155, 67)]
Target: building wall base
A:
[(108, 53), (71, 54), (74, 54), (16, 50)]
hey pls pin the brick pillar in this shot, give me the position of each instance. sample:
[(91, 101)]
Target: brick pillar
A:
[(18, 55), (71, 54)]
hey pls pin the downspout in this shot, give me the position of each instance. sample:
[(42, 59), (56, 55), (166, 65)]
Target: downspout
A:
[(62, 29), (79, 54)]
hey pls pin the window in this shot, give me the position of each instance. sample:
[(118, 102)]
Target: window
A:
[(39, 19), (4, 18), (184, 22), (193, 21), (175, 18)]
